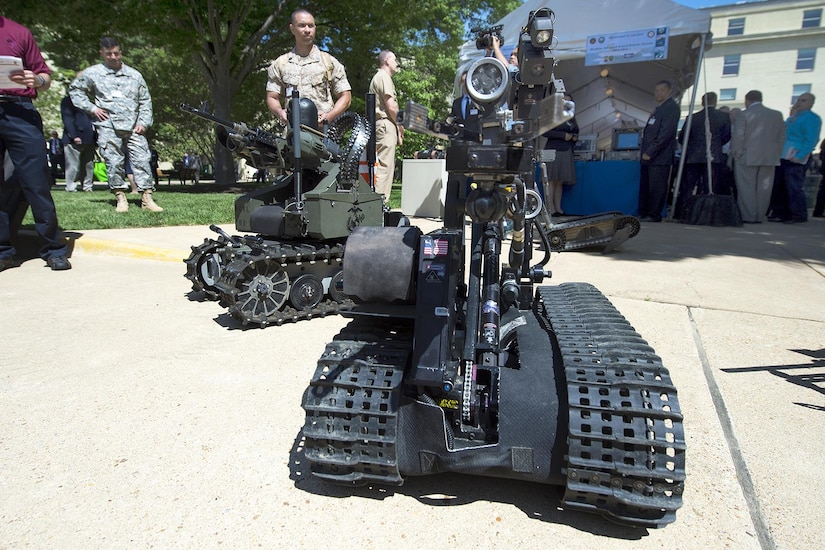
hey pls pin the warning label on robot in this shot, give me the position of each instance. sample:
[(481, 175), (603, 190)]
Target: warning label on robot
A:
[(434, 273)]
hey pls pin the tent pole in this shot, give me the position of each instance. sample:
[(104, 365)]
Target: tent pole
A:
[(678, 181), (708, 138)]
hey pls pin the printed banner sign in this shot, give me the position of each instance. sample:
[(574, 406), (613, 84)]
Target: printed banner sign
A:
[(627, 47)]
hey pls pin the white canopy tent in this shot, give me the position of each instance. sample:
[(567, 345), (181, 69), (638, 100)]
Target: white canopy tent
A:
[(623, 98)]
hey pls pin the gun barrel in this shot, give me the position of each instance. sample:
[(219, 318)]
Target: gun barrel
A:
[(237, 127)]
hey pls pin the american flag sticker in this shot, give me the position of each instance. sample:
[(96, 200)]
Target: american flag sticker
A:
[(435, 247)]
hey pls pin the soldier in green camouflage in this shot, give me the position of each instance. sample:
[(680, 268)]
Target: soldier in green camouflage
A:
[(117, 98), (315, 74)]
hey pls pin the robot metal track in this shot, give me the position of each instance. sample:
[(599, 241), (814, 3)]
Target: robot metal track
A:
[(277, 282), (610, 228)]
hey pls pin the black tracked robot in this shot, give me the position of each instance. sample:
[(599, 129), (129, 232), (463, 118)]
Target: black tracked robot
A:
[(464, 366)]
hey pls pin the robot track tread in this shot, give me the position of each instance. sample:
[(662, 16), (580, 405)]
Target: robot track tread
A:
[(625, 456), (195, 266), (352, 405), (277, 263), (625, 443), (599, 229)]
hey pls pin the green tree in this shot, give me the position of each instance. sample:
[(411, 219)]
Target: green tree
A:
[(189, 50)]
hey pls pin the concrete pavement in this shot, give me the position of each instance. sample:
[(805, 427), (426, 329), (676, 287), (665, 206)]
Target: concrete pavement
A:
[(134, 415)]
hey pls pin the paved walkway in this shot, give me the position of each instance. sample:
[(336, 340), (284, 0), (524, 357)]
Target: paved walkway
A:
[(134, 415)]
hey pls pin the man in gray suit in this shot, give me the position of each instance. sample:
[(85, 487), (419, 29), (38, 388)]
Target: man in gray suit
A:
[(756, 144)]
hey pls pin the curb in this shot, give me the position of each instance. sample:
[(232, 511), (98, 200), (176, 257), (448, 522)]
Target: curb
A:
[(102, 247)]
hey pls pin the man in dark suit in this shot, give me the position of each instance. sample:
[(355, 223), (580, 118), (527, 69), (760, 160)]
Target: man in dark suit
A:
[(756, 145), (657, 149), (56, 159), (79, 145), (465, 113), (695, 175)]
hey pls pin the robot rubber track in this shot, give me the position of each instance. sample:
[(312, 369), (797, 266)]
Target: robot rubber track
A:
[(203, 266)]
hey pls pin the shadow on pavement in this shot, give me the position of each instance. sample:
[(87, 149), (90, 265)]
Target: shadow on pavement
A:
[(767, 241), (536, 501), (810, 375)]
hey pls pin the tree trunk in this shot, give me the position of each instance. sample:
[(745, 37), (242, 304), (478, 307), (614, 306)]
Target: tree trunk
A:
[(224, 160)]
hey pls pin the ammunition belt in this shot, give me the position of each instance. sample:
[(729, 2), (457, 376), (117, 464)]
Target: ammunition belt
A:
[(358, 137)]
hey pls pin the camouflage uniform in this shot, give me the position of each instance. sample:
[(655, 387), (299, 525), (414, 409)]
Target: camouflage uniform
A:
[(317, 76), (125, 95)]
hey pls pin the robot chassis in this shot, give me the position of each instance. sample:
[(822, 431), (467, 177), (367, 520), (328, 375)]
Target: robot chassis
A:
[(451, 365)]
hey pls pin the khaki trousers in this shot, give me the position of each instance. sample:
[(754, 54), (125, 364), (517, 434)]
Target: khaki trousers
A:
[(386, 139)]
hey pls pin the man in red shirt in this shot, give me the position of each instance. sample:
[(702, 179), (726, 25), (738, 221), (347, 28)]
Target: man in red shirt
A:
[(21, 138)]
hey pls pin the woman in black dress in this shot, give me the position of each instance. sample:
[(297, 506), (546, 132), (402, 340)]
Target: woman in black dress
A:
[(561, 171)]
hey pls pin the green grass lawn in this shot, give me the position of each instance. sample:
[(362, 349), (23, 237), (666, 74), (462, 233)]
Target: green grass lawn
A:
[(203, 204), (182, 205)]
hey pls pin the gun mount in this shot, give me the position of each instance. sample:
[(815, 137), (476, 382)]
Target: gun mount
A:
[(287, 265), (456, 361)]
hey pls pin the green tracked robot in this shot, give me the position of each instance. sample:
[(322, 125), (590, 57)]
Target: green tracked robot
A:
[(287, 265)]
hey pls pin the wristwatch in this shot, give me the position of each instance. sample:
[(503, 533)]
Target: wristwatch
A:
[(40, 81)]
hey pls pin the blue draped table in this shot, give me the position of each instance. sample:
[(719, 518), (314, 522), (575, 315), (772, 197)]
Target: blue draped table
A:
[(603, 186)]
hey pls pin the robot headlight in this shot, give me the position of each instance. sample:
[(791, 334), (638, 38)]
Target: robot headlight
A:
[(487, 81), (541, 31)]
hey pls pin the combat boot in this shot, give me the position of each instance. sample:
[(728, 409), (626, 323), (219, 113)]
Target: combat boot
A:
[(148, 203), (122, 203)]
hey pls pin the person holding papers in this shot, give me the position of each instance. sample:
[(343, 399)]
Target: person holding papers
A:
[(21, 137)]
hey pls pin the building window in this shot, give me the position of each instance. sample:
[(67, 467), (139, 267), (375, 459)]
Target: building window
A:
[(736, 26), (798, 90), (727, 94), (811, 18), (805, 59), (731, 67)]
